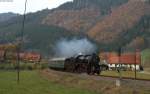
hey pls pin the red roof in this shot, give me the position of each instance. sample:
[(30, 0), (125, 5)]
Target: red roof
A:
[(130, 59), (30, 56), (113, 58), (125, 58)]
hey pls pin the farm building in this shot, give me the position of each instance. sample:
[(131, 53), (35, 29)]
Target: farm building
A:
[(30, 56), (9, 52), (125, 61)]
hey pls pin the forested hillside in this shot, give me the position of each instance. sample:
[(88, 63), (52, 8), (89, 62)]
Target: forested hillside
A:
[(127, 25), (108, 23), (37, 37), (81, 15)]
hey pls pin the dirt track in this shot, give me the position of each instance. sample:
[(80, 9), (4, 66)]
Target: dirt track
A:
[(104, 85)]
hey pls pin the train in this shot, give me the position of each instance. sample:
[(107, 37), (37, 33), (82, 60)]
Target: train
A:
[(89, 64)]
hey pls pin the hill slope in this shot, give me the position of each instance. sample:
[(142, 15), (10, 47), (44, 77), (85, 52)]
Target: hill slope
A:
[(109, 23), (121, 19), (123, 24), (37, 37), (80, 15)]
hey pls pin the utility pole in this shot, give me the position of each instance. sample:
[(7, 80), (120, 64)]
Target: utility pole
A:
[(135, 62), (18, 62), (118, 82), (119, 60), (20, 44)]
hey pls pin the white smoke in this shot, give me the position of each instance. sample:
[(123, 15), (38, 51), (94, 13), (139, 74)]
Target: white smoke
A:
[(68, 48)]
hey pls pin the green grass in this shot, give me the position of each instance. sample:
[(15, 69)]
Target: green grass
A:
[(146, 58), (32, 83), (126, 74)]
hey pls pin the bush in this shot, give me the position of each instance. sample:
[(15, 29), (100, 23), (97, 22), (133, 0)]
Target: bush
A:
[(44, 65), (2, 66), (23, 66)]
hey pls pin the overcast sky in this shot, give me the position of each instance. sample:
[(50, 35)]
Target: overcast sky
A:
[(17, 6)]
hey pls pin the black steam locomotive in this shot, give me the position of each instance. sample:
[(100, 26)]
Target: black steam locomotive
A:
[(83, 64)]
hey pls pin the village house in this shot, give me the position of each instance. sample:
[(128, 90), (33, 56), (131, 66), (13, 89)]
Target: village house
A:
[(30, 57), (127, 61)]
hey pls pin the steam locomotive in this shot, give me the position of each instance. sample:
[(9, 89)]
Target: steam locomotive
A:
[(83, 63)]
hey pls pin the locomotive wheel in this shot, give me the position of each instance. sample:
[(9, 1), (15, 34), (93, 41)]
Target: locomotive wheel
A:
[(93, 70), (76, 68), (80, 68)]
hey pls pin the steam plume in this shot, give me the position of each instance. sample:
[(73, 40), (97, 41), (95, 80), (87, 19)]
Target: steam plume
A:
[(68, 48)]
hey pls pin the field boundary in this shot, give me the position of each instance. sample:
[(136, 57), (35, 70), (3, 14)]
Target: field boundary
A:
[(139, 79)]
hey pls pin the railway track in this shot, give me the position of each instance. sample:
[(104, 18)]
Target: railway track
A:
[(123, 78), (126, 78)]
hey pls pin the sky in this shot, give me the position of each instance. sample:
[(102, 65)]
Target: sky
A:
[(17, 6)]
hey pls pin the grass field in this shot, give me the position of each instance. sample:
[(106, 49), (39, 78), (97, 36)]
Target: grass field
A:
[(32, 83), (145, 58), (54, 82)]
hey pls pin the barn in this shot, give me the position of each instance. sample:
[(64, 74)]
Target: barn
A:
[(127, 61)]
